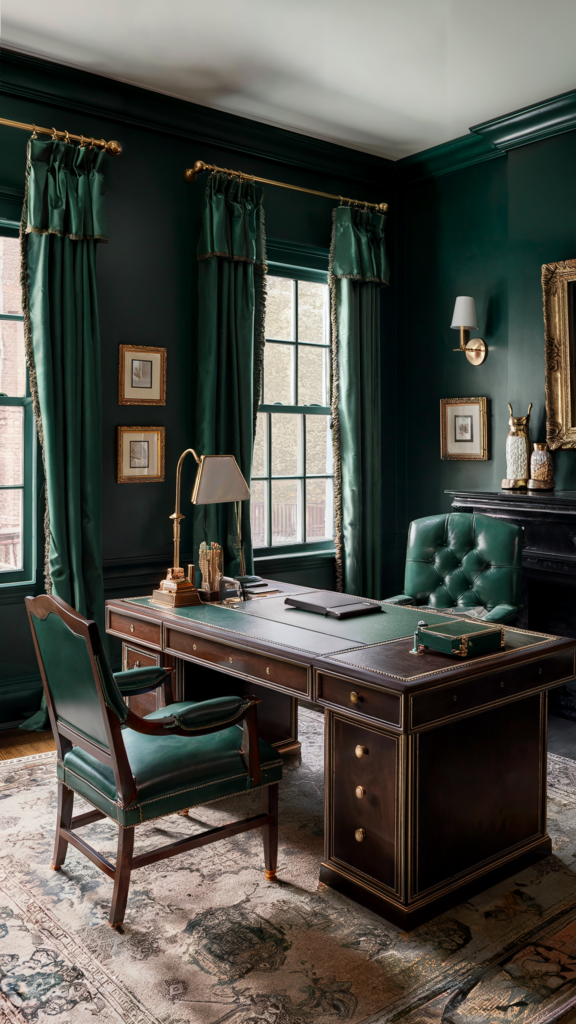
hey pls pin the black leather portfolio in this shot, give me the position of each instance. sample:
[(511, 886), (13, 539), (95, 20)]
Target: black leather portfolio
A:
[(337, 606)]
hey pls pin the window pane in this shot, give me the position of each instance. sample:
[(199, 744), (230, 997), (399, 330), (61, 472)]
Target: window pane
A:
[(313, 312), (286, 445), (286, 511), (10, 290), (10, 531), (280, 309), (319, 509), (318, 445), (12, 357), (259, 459), (11, 445), (312, 376), (278, 374), (258, 513)]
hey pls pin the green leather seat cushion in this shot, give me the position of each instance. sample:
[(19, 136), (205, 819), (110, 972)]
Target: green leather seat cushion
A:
[(171, 772)]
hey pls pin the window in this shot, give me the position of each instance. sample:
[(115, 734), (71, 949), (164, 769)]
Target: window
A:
[(17, 439), (292, 474)]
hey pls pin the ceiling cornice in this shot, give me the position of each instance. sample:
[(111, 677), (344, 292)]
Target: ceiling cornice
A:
[(70, 89), (493, 139)]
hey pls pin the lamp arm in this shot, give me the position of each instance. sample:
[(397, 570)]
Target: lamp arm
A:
[(177, 516)]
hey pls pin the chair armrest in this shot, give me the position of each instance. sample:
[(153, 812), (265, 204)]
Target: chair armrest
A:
[(141, 680), (502, 613), (399, 599), (206, 717)]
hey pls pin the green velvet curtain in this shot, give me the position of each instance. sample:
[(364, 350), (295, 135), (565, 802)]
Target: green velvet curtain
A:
[(63, 218), (232, 288), (357, 270)]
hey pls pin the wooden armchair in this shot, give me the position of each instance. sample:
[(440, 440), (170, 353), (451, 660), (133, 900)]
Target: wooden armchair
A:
[(134, 769)]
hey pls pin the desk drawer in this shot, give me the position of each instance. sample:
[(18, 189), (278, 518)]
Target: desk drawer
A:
[(435, 705), (136, 629), (362, 826), (282, 674), (355, 697)]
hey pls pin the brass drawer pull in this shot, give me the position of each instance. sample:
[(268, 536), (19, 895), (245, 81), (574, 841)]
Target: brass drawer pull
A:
[(360, 750), (131, 627), (360, 792), (267, 671), (354, 697), (359, 835), (193, 647), (502, 685), (454, 698), (539, 671), (136, 664), (231, 660)]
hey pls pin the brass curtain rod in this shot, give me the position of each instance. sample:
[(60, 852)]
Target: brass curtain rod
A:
[(111, 147), (191, 173)]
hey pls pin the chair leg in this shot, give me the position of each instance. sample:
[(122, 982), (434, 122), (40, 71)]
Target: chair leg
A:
[(63, 820), (122, 875), (270, 832)]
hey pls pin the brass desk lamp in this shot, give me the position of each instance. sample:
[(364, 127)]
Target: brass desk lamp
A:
[(218, 479)]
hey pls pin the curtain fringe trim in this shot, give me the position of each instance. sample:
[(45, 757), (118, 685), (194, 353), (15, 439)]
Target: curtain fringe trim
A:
[(59, 234), (335, 424), (260, 296), (358, 277), (32, 379), (234, 259)]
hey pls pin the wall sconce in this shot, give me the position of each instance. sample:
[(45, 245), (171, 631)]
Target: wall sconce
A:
[(464, 320)]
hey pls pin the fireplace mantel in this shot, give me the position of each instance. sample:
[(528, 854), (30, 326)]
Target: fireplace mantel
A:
[(548, 523)]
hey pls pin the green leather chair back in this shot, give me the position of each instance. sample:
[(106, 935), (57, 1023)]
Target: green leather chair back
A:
[(70, 678), (463, 560)]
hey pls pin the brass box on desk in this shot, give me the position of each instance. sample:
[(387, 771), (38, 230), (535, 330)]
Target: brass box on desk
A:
[(462, 637)]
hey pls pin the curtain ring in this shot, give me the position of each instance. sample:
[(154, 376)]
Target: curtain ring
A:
[(81, 146), (54, 135), (67, 138), (34, 133)]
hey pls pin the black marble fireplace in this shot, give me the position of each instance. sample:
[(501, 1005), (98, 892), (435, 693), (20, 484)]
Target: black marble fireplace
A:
[(548, 523)]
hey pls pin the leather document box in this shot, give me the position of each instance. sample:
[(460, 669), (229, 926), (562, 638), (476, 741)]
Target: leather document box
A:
[(462, 637)]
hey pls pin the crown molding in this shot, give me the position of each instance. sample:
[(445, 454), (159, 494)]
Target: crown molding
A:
[(530, 124), (49, 83), (446, 158)]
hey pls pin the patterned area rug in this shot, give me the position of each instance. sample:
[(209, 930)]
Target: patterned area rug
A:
[(208, 941)]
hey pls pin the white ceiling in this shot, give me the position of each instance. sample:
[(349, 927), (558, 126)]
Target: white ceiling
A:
[(390, 77)]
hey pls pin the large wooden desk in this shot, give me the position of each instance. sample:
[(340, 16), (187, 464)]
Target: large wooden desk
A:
[(435, 766)]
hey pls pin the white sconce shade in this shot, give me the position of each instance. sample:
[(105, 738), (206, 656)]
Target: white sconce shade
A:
[(464, 314)]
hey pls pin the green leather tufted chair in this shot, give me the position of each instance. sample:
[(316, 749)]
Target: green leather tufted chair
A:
[(467, 562), (134, 769)]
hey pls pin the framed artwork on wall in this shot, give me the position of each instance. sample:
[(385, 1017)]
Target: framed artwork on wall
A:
[(141, 375), (140, 455), (464, 428)]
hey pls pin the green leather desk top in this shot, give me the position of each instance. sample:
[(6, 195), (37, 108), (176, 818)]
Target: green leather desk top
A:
[(271, 620)]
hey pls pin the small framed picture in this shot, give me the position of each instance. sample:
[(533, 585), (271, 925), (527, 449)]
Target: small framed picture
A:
[(464, 428), (140, 454), (141, 375)]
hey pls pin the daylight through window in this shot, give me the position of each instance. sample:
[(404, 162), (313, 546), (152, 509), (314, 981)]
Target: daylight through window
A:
[(292, 493), (16, 425)]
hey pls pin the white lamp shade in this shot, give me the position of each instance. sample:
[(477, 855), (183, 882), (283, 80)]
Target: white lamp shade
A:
[(219, 479), (464, 313)]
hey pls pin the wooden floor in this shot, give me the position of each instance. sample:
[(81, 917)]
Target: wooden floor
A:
[(18, 743)]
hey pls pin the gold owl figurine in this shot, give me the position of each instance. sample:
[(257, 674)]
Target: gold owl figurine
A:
[(517, 451)]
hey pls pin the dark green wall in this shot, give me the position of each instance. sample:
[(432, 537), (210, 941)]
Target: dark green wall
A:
[(147, 273), (484, 231)]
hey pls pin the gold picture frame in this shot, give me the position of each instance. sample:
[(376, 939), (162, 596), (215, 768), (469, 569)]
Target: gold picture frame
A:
[(559, 292), (141, 375), (141, 455), (464, 429)]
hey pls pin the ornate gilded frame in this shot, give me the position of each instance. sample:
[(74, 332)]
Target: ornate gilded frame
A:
[(483, 454), (560, 431), (123, 436), (148, 350)]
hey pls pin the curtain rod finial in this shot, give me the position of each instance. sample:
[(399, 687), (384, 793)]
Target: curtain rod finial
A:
[(114, 147), (383, 207), (191, 173)]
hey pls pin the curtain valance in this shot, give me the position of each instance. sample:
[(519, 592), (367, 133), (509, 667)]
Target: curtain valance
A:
[(358, 246), (66, 193)]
